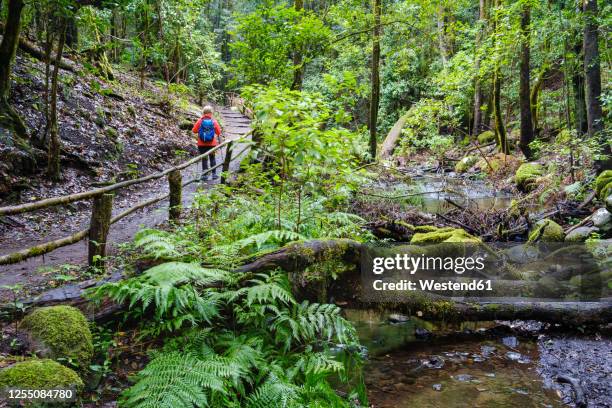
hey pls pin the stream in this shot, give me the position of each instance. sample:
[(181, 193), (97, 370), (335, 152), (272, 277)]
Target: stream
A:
[(414, 363), (408, 367)]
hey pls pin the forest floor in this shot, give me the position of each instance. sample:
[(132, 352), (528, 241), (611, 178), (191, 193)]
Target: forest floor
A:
[(116, 134)]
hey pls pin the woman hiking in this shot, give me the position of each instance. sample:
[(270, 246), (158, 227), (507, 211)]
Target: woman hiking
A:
[(209, 133)]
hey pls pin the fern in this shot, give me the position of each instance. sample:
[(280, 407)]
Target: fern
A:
[(156, 244), (175, 380), (258, 241), (308, 322), (170, 289), (274, 392)]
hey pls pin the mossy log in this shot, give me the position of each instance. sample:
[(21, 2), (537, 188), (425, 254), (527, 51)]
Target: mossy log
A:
[(347, 290), (33, 50)]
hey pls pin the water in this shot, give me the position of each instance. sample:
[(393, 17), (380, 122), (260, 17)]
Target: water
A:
[(430, 193), (475, 194), (403, 372)]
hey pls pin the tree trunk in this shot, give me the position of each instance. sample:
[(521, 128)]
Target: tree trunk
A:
[(160, 34), (298, 63), (9, 118), (478, 96), (442, 42), (53, 154), (500, 130), (72, 33), (524, 94), (592, 75), (375, 91)]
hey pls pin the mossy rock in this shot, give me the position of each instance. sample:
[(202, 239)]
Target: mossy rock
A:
[(547, 231), (603, 184), (59, 332), (40, 374), (487, 136), (443, 235), (465, 164), (499, 161), (526, 176)]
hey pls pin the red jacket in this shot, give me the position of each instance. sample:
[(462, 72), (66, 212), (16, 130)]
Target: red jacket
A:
[(196, 128)]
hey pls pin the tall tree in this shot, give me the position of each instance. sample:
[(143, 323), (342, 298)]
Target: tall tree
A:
[(53, 153), (500, 130), (9, 118), (375, 89), (298, 66), (592, 76), (592, 71), (478, 94), (524, 79)]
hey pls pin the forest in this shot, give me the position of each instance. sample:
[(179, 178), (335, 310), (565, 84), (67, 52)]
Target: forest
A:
[(335, 133)]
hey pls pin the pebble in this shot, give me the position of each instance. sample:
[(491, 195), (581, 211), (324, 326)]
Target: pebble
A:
[(511, 355), (437, 387), (463, 377)]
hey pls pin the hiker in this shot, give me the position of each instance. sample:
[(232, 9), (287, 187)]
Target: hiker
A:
[(209, 133)]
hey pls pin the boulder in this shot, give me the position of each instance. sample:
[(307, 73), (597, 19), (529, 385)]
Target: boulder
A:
[(546, 231), (526, 176), (608, 202), (487, 136), (602, 219), (603, 184), (59, 332), (579, 234), (464, 164), (38, 374)]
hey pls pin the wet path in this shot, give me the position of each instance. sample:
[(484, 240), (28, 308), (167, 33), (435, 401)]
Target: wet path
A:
[(33, 272)]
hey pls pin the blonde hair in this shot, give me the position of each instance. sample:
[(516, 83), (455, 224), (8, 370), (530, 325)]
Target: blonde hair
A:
[(207, 109)]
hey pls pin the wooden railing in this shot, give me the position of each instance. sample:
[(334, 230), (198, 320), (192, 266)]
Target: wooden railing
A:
[(101, 212)]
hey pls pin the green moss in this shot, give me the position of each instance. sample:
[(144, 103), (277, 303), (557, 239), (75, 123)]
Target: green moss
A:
[(547, 231), (485, 137), (60, 332), (39, 374), (526, 176), (464, 164), (603, 184), (443, 235)]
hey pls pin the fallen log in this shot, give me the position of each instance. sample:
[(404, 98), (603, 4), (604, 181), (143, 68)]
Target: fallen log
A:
[(392, 138), (347, 289), (30, 48)]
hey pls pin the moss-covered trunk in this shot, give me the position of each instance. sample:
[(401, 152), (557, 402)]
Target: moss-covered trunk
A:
[(9, 118)]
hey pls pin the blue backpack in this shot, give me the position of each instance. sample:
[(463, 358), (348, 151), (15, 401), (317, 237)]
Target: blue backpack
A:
[(207, 130)]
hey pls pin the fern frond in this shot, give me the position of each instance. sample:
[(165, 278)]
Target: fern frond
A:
[(173, 380)]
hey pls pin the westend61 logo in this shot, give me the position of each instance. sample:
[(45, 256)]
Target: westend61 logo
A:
[(526, 271)]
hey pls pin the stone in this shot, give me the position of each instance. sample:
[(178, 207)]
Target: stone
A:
[(603, 184), (546, 230), (602, 219), (513, 356), (487, 136), (39, 374), (437, 387), (59, 332), (398, 318), (579, 234), (608, 202), (464, 164), (526, 176), (464, 378)]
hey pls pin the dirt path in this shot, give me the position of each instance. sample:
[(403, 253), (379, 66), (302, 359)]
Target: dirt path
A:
[(33, 273)]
